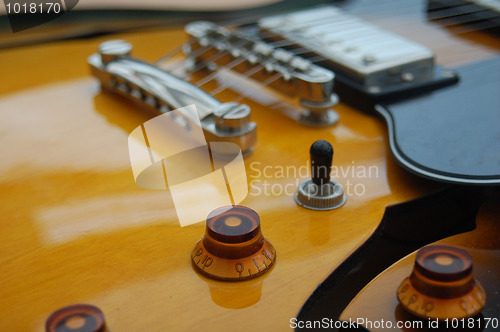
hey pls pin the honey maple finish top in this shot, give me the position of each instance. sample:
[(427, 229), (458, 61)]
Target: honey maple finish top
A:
[(76, 228)]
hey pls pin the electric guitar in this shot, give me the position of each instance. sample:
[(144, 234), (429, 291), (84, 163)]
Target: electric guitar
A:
[(77, 229)]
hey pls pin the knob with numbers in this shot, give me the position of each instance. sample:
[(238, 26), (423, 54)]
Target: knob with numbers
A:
[(441, 285), (76, 318), (233, 247)]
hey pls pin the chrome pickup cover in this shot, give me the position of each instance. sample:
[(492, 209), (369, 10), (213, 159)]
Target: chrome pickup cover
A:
[(364, 53)]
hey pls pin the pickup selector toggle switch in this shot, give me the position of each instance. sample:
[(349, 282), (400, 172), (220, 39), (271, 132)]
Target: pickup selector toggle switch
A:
[(320, 192)]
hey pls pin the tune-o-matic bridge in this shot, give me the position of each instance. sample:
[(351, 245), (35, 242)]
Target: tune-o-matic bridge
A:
[(162, 91), (294, 76)]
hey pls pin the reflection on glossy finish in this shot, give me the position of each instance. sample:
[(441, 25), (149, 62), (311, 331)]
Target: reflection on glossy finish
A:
[(80, 217), (232, 295), (319, 230), (76, 318)]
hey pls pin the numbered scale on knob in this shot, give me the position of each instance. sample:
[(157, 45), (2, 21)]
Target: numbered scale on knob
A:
[(76, 318), (441, 285), (233, 247)]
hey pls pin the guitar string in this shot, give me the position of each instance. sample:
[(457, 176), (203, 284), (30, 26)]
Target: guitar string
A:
[(230, 66), (464, 20), (243, 75), (180, 48), (480, 26), (247, 74), (280, 43), (264, 83), (445, 12), (250, 72), (173, 52), (379, 8), (456, 31), (375, 5), (385, 7), (235, 63), (216, 57), (241, 21), (251, 19), (198, 52), (195, 54), (212, 59), (459, 27), (465, 29), (213, 75), (470, 3), (483, 26)]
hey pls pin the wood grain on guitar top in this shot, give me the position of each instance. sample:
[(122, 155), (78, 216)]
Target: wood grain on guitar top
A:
[(77, 229)]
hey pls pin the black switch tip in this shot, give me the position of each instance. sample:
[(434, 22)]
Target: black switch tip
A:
[(321, 161)]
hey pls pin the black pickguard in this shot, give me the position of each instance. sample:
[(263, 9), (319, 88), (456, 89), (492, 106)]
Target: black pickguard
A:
[(451, 134)]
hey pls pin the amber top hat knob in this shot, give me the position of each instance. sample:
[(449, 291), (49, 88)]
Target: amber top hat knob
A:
[(76, 318), (233, 247), (442, 285)]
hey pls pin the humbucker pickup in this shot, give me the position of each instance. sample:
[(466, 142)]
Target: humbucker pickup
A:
[(361, 51), (370, 63)]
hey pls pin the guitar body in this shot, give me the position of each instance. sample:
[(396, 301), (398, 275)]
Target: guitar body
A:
[(77, 229)]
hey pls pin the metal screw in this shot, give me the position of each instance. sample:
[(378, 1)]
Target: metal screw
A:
[(113, 49), (231, 116), (407, 77), (368, 59)]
